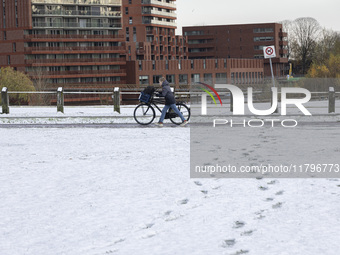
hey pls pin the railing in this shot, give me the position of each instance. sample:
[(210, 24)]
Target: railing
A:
[(74, 60), (76, 48), (76, 13), (84, 72), (76, 24), (161, 3), (96, 2), (160, 13), (116, 95), (159, 22), (73, 36)]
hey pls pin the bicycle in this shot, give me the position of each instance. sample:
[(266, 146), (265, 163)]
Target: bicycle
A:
[(145, 113)]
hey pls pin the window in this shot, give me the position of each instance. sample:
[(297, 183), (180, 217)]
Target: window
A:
[(194, 33), (208, 77), (134, 34), (170, 78), (183, 79), (130, 1), (155, 79), (130, 20), (263, 30), (143, 79), (192, 64), (195, 77), (127, 33), (14, 47), (8, 60), (5, 35), (126, 10), (263, 38), (221, 78)]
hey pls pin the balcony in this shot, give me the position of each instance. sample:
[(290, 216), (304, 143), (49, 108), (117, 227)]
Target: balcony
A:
[(112, 14), (86, 37), (283, 43), (159, 3), (76, 48), (75, 60), (159, 22), (160, 13), (140, 51), (80, 72), (76, 25), (82, 2)]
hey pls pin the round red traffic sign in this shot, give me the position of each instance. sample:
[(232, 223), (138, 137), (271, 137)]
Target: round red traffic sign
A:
[(269, 51)]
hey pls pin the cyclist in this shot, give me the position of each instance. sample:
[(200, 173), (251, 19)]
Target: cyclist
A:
[(169, 102)]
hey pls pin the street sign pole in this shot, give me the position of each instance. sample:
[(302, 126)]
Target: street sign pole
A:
[(269, 52)]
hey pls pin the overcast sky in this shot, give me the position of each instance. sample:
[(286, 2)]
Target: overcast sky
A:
[(224, 12)]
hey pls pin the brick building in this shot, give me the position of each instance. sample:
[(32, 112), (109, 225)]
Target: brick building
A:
[(74, 42), (235, 71), (149, 29), (239, 41)]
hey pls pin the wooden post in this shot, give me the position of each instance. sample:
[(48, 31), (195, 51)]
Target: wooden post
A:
[(60, 100), (116, 100), (331, 100), (5, 100)]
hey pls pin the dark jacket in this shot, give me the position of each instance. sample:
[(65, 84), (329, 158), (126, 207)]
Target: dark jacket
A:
[(166, 92)]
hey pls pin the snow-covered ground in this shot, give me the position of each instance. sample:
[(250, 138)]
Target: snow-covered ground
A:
[(128, 191)]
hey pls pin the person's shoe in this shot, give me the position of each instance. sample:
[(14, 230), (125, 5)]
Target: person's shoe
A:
[(184, 123), (160, 124)]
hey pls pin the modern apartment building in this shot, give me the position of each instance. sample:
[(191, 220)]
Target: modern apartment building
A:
[(239, 41), (149, 28), (73, 42)]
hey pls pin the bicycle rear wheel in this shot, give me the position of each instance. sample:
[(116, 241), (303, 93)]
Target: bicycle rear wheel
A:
[(144, 114), (183, 109)]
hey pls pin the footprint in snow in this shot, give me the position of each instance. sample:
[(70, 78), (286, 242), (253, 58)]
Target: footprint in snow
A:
[(269, 199), (272, 182), (198, 183), (149, 235), (277, 205), (263, 188), (167, 213), (148, 225), (204, 192), (239, 224), (183, 201), (240, 252), (228, 243), (119, 241), (247, 233), (279, 193)]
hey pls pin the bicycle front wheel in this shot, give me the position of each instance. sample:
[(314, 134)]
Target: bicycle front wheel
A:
[(185, 112), (144, 114)]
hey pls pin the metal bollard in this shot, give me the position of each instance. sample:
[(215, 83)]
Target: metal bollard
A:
[(116, 100), (60, 100), (331, 100), (5, 100)]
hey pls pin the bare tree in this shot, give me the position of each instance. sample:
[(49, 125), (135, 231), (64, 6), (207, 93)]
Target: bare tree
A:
[(304, 35), (41, 84), (287, 27), (325, 46)]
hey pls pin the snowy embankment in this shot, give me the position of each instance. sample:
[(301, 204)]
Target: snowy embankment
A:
[(128, 191)]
